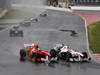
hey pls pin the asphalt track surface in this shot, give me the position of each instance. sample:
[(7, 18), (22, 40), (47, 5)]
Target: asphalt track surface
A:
[(46, 32)]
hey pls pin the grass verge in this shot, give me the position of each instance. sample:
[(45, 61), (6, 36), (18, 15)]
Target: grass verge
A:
[(94, 37)]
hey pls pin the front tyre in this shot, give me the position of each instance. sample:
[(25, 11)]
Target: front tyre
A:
[(86, 57), (53, 53), (22, 54)]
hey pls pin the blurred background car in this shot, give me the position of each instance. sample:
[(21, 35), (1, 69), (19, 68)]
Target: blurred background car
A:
[(16, 31)]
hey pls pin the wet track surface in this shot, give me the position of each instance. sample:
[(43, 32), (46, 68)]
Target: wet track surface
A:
[(46, 32)]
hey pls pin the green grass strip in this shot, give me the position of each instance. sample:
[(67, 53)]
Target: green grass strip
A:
[(94, 37)]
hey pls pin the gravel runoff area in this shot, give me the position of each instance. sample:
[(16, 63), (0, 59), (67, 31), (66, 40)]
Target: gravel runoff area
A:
[(91, 17)]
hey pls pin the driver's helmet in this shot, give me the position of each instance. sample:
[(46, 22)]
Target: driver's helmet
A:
[(32, 44), (58, 46), (15, 27), (36, 46), (64, 49)]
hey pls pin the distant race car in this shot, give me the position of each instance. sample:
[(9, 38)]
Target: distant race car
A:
[(63, 52), (43, 15), (15, 31)]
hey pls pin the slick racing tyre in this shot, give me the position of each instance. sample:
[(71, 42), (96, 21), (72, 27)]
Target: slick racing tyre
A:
[(53, 53), (63, 55), (11, 33), (20, 34), (66, 56), (22, 55), (85, 55)]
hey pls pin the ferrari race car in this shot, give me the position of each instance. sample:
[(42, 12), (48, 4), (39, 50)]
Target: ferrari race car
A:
[(63, 52), (33, 53), (15, 31)]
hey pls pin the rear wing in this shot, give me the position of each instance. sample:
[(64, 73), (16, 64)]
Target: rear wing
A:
[(28, 45)]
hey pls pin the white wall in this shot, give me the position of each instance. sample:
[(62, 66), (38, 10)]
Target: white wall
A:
[(4, 3), (28, 2)]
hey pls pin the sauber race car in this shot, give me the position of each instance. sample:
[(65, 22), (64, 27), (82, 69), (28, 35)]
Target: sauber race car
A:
[(63, 52), (33, 53)]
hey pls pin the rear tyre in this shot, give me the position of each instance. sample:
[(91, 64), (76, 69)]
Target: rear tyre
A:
[(66, 56), (11, 33), (20, 33)]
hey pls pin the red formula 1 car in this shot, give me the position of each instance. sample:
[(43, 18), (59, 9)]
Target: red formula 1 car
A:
[(34, 54)]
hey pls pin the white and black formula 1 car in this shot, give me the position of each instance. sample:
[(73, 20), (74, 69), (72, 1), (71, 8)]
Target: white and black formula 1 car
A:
[(63, 52), (16, 31)]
